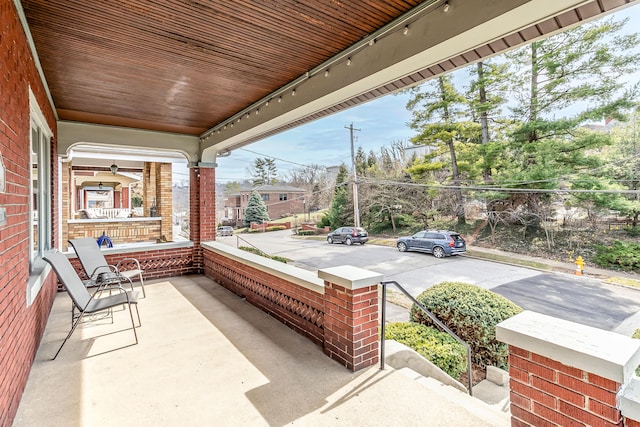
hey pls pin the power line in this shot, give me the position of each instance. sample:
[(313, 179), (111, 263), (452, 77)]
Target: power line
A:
[(500, 189)]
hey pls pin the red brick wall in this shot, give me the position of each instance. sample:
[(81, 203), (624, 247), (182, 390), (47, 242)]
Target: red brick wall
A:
[(343, 321), (21, 327), (351, 325), (545, 392), (156, 264), (297, 307)]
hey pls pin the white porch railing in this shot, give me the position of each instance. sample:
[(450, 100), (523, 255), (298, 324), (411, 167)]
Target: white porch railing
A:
[(110, 213)]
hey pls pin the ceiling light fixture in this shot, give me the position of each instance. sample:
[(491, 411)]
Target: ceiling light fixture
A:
[(326, 73), (293, 92), (406, 30), (348, 61), (446, 7), (114, 168)]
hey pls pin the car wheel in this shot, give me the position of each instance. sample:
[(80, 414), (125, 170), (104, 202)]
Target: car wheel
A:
[(329, 240), (362, 243), (402, 247), (349, 242), (438, 252)]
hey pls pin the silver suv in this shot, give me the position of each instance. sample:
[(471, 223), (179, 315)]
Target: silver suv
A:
[(439, 243), (225, 230)]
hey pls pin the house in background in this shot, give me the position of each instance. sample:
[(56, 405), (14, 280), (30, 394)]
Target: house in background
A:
[(281, 201)]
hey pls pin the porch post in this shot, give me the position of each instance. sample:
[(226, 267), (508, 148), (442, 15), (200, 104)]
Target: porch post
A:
[(202, 210), (566, 374), (351, 316)]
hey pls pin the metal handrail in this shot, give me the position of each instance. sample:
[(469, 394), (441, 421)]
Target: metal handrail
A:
[(431, 316), (238, 238)]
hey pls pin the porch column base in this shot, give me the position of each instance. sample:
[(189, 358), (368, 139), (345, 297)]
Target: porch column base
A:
[(351, 316)]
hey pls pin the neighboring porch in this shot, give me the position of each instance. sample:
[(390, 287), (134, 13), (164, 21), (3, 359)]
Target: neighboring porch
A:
[(208, 357), (98, 199)]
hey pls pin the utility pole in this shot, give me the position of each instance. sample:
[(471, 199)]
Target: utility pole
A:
[(356, 210)]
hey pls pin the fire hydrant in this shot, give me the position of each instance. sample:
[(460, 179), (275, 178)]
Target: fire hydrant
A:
[(579, 266)]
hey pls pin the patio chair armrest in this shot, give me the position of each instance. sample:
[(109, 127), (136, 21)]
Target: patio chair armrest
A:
[(137, 263), (96, 271)]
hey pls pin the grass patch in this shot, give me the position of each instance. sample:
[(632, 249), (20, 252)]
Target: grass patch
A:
[(623, 281), (508, 260)]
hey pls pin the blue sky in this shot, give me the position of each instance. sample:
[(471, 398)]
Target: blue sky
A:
[(326, 141)]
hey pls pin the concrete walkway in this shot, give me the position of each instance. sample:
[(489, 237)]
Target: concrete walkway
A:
[(207, 357)]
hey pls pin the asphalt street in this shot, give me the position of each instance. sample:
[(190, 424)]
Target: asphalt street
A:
[(576, 298)]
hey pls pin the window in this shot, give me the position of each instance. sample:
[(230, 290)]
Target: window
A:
[(265, 197), (282, 197), (40, 183), (40, 201)]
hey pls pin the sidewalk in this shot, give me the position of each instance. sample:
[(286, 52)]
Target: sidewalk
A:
[(545, 264)]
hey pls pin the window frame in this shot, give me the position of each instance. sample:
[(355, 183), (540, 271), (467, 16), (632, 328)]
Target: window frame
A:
[(38, 269)]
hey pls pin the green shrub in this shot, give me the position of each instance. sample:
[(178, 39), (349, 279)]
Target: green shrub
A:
[(472, 313), (632, 231), (276, 228), (306, 233), (438, 347), (620, 256), (259, 252)]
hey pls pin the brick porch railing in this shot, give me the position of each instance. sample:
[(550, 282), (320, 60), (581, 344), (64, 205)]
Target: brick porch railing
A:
[(567, 374), (337, 308)]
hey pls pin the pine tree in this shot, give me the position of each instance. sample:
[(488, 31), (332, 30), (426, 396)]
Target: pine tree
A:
[(264, 171), (340, 212), (439, 113), (256, 210), (579, 69)]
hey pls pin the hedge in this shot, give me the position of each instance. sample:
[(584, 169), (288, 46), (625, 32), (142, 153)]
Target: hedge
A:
[(438, 347), (472, 313), (259, 252)]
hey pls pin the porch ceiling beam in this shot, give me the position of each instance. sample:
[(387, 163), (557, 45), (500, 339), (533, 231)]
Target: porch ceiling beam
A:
[(428, 40), (72, 134)]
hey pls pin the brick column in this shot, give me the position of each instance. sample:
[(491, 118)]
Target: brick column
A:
[(126, 197), (351, 316), (567, 374), (202, 205)]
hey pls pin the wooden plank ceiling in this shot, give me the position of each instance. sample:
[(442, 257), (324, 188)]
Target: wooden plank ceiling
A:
[(186, 65)]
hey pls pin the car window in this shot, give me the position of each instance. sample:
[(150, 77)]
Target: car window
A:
[(430, 236), (420, 234), (440, 236), (456, 237)]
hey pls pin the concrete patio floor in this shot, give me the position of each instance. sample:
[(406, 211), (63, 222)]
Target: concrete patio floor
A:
[(208, 358)]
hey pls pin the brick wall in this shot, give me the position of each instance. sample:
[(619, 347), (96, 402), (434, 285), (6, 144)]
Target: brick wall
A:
[(547, 392), (21, 327), (351, 325), (566, 374), (156, 263), (299, 308), (340, 314)]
